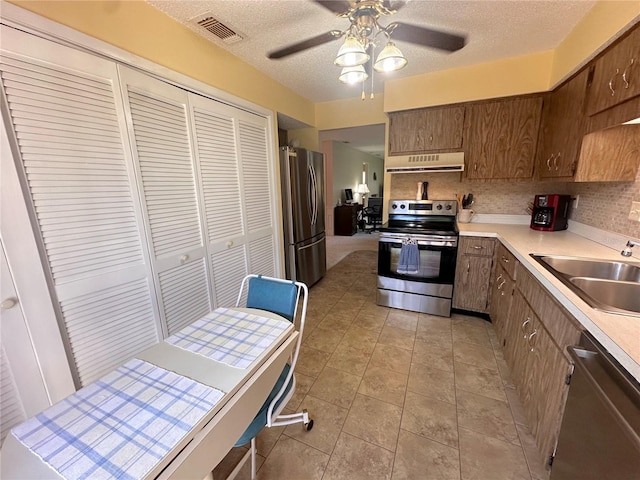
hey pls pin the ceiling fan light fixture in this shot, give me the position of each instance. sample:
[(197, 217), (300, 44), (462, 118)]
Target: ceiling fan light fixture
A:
[(390, 59), (351, 53), (353, 75)]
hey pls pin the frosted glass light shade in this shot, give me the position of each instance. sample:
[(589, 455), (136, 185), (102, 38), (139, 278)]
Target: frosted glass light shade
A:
[(351, 53), (390, 59), (353, 75), (362, 188)]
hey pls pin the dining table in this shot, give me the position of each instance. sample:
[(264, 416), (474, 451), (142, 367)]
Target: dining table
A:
[(173, 411)]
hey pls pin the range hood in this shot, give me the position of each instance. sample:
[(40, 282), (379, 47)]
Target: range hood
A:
[(435, 162)]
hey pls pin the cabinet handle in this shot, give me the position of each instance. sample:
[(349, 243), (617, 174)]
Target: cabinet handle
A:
[(478, 247), (498, 278), (524, 324), (549, 162), (533, 334), (501, 284), (468, 266), (611, 84), (624, 74), (430, 138), (555, 161), (184, 259), (475, 167)]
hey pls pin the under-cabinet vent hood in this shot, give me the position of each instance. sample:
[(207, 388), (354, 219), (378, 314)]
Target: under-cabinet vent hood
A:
[(435, 162)]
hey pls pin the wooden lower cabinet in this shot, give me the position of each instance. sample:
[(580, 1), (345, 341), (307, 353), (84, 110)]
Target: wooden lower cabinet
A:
[(536, 333), (471, 290), (501, 295)]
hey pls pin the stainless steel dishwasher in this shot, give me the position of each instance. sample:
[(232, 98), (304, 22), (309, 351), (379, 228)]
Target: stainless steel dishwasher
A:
[(600, 433)]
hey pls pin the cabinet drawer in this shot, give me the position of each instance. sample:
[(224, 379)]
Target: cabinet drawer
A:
[(477, 246), (507, 260)]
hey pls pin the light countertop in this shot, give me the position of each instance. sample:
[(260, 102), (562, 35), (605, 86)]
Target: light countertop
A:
[(619, 334)]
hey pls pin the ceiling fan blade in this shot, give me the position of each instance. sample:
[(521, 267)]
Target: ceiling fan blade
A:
[(335, 6), (305, 44), (427, 37), (395, 6)]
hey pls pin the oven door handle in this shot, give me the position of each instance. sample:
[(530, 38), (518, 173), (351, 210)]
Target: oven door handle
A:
[(426, 243)]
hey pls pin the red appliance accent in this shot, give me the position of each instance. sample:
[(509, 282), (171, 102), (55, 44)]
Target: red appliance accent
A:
[(550, 212)]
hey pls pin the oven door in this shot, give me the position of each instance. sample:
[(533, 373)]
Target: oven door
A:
[(437, 260)]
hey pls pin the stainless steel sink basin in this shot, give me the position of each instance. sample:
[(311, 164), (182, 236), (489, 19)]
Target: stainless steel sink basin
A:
[(621, 295), (583, 267), (607, 285)]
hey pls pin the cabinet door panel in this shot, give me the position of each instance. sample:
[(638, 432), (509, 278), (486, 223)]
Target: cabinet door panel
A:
[(406, 132), (471, 289), (502, 138), (443, 128), (562, 127), (616, 75)]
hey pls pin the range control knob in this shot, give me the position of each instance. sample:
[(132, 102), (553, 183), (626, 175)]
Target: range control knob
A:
[(402, 206), (394, 206), (439, 207), (448, 207)]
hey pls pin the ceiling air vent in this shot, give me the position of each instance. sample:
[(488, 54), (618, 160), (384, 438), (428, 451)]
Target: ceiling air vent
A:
[(219, 29)]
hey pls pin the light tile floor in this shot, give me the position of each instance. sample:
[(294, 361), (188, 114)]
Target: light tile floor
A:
[(395, 395)]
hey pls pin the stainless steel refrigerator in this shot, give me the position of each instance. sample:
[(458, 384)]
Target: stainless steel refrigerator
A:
[(302, 175)]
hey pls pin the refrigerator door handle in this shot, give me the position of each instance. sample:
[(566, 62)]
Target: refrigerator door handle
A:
[(312, 192), (312, 244)]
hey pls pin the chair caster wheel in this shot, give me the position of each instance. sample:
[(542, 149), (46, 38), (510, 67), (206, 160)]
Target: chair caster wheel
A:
[(309, 425)]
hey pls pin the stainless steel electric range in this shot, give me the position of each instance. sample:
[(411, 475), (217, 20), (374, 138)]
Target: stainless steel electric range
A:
[(427, 284)]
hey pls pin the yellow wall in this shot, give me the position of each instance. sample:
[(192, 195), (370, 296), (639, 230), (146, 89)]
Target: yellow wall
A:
[(513, 76), (137, 27), (601, 23)]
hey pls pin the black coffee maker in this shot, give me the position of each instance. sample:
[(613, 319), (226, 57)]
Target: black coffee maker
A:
[(550, 212)]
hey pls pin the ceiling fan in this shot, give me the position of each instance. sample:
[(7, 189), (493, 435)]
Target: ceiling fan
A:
[(363, 17)]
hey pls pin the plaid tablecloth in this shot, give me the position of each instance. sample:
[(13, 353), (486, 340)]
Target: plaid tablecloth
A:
[(230, 336), (120, 426)]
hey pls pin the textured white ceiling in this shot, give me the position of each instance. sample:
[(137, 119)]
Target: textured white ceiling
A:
[(495, 30)]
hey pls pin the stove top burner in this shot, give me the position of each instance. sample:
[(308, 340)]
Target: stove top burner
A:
[(426, 217)]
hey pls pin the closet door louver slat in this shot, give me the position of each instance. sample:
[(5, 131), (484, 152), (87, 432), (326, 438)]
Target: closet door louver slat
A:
[(69, 124), (159, 122), (218, 161), (257, 194), (12, 411), (95, 323), (229, 268)]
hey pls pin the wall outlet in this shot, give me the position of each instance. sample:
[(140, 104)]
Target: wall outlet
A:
[(634, 214), (575, 199)]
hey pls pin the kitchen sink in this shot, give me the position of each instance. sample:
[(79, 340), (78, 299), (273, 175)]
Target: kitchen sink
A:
[(606, 285), (622, 295), (585, 267)]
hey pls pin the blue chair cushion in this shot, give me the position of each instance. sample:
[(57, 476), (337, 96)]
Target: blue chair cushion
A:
[(260, 420), (276, 297)]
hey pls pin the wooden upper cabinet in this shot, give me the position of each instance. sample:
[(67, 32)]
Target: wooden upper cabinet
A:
[(426, 130), (502, 137), (616, 76), (562, 128)]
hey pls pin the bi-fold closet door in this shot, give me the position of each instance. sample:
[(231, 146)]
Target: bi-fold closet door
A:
[(151, 202), (204, 179)]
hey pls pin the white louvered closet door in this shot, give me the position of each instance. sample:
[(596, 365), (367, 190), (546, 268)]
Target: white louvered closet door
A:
[(157, 115), (68, 119), (232, 153)]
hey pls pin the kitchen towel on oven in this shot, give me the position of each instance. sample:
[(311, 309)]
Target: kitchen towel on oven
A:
[(409, 256)]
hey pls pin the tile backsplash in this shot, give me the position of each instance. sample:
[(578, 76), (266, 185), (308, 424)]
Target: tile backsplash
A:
[(602, 205)]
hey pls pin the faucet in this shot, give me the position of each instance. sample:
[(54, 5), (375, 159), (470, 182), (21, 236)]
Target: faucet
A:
[(627, 250)]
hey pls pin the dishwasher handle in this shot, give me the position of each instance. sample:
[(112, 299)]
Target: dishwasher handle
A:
[(618, 392)]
